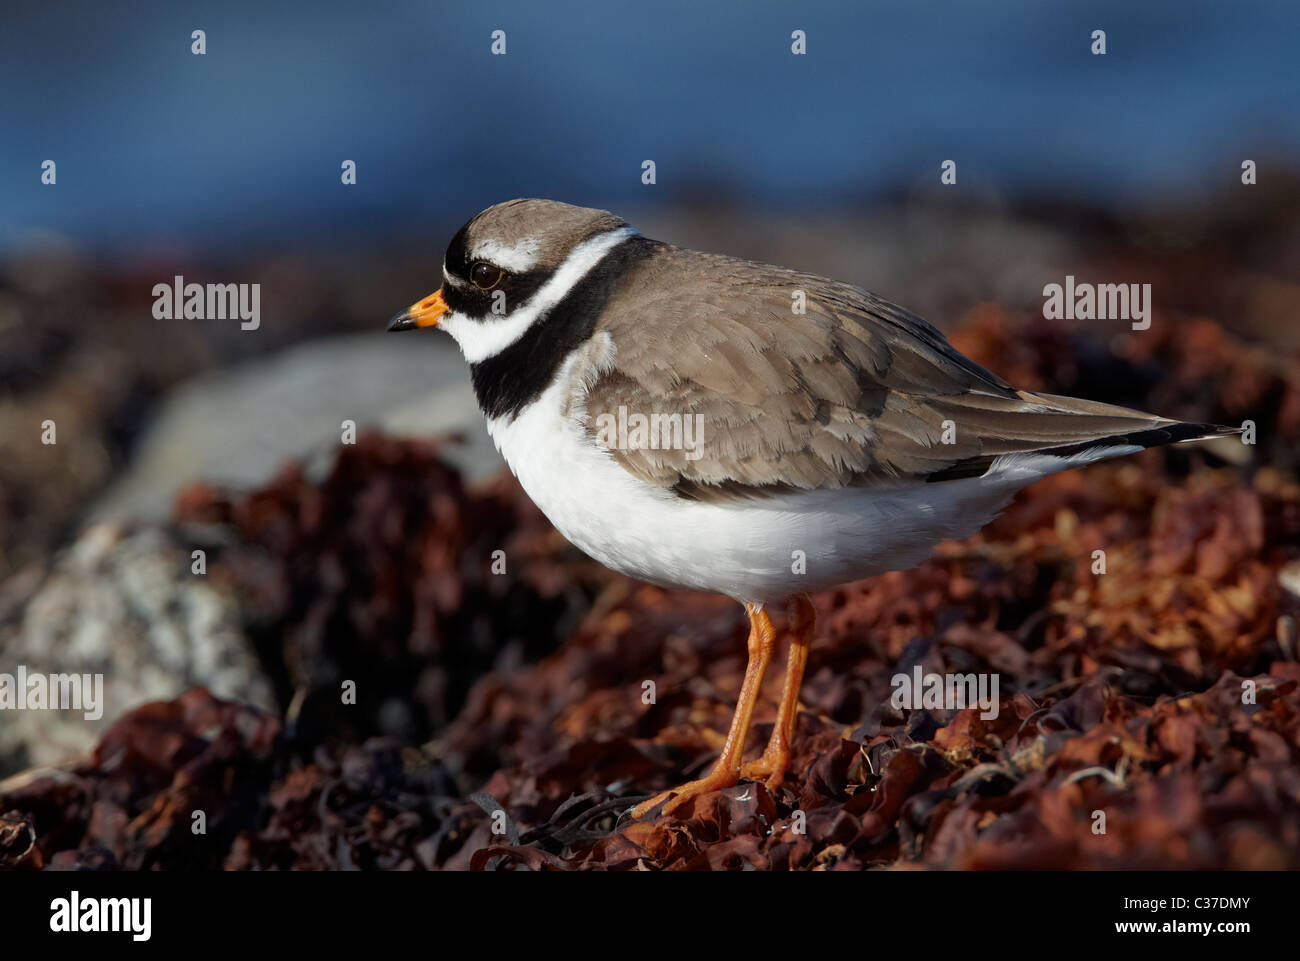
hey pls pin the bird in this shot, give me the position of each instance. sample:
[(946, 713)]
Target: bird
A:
[(701, 421)]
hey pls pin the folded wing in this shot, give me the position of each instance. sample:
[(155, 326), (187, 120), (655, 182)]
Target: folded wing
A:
[(851, 391)]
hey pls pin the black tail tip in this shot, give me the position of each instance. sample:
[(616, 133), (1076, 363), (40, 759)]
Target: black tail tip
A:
[(1185, 433)]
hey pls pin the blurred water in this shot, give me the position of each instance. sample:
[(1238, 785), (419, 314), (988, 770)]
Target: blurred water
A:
[(241, 148)]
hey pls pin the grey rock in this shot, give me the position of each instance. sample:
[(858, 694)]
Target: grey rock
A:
[(125, 605), (237, 426)]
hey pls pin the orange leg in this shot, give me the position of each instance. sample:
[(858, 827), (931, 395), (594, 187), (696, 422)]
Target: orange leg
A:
[(776, 757), (726, 771)]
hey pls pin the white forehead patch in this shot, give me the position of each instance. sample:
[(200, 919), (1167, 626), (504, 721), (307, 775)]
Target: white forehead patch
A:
[(516, 258)]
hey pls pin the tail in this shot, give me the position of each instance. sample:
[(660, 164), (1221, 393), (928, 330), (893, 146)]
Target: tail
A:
[(1165, 432), (1085, 431)]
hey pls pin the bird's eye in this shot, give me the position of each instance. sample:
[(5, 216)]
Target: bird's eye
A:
[(486, 276)]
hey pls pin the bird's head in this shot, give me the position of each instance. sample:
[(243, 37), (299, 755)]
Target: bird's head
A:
[(507, 267)]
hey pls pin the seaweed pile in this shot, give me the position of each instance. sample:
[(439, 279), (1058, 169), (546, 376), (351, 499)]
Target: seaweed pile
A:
[(1148, 717)]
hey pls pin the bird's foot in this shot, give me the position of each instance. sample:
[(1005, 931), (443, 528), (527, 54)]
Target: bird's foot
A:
[(715, 780), (769, 767)]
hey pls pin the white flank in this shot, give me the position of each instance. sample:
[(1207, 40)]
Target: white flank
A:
[(481, 339)]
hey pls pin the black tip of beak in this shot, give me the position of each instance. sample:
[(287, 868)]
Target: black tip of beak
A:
[(402, 321)]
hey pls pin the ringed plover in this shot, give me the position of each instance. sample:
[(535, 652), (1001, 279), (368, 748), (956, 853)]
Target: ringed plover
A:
[(816, 434)]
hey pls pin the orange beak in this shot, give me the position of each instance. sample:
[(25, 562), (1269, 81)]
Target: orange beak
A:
[(423, 314)]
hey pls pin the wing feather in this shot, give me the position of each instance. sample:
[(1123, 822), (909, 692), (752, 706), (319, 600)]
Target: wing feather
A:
[(853, 391)]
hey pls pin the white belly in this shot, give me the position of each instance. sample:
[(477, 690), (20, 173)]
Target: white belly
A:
[(759, 551)]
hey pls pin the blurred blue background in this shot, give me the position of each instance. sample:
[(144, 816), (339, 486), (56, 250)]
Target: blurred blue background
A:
[(240, 149)]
